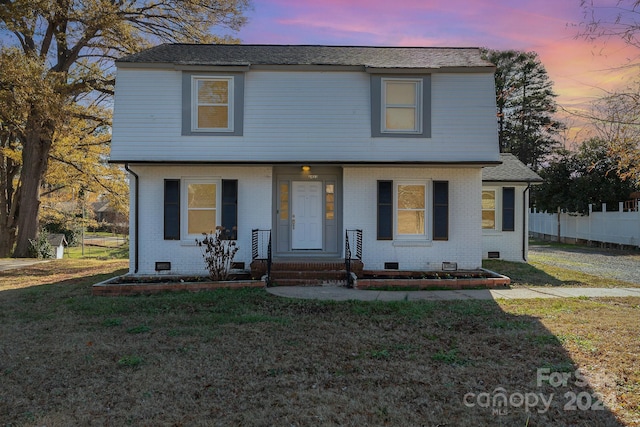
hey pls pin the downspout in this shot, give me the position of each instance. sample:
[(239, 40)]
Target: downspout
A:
[(136, 220), (525, 230)]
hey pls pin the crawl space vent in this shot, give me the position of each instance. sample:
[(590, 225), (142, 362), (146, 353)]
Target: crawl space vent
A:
[(163, 266)]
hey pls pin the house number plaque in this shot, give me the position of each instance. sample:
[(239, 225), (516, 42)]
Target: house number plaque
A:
[(313, 176)]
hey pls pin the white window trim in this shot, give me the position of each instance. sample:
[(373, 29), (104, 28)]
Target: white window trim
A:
[(189, 239), (495, 209), (426, 236), (194, 103), (418, 106)]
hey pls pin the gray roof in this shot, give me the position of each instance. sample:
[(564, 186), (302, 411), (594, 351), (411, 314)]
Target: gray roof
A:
[(367, 56), (511, 170), (56, 240)]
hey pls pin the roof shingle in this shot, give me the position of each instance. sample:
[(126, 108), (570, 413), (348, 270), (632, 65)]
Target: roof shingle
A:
[(511, 170), (366, 56)]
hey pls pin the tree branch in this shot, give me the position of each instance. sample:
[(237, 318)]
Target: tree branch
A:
[(53, 190)]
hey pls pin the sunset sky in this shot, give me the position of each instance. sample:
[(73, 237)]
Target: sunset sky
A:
[(580, 69)]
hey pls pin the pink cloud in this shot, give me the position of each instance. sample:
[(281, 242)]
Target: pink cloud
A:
[(547, 27)]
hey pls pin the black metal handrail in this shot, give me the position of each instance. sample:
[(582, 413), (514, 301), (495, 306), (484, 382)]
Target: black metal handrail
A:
[(269, 261), (261, 249), (352, 237)]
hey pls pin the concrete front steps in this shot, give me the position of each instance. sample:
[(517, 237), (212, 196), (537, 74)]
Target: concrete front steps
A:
[(305, 272)]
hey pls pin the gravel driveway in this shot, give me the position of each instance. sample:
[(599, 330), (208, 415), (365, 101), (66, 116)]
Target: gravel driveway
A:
[(619, 265)]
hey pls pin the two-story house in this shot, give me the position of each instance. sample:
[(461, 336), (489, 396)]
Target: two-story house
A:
[(308, 142)]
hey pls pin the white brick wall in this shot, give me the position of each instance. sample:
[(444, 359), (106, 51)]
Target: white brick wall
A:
[(254, 211), (508, 243), (465, 244), (465, 237)]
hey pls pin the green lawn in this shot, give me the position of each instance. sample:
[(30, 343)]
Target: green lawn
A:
[(245, 357), (98, 252)]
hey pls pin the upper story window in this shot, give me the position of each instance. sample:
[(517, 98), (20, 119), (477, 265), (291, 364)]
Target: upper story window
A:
[(401, 106), (212, 104)]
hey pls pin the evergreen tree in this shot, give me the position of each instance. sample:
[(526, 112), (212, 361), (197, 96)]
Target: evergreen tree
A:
[(525, 106)]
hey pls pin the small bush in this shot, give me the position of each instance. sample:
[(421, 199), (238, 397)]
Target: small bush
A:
[(218, 253), (40, 247)]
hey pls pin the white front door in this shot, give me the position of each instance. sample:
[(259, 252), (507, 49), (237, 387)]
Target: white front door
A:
[(306, 215)]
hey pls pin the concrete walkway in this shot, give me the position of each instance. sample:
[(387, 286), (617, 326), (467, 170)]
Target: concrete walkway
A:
[(13, 263), (336, 293)]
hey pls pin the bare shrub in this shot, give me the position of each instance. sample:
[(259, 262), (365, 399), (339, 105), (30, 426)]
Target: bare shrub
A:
[(218, 253)]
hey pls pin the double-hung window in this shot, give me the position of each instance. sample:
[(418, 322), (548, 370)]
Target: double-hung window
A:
[(413, 210), (488, 209), (193, 206), (498, 209), (201, 207), (212, 106), (411, 205), (401, 105)]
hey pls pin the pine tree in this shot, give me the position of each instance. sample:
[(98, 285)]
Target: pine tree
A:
[(525, 104)]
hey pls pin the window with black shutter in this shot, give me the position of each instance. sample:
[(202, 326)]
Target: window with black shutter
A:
[(508, 208), (385, 210), (229, 212), (440, 210), (172, 209)]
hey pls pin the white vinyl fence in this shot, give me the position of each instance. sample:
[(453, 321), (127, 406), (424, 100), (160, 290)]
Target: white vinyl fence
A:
[(616, 228)]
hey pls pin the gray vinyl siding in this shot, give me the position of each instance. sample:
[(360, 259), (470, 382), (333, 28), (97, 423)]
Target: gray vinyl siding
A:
[(302, 116)]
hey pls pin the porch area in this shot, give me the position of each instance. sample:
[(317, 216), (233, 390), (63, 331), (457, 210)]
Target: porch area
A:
[(305, 271)]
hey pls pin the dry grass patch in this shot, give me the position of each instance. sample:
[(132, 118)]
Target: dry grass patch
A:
[(601, 337), (84, 271), (536, 273), (244, 357)]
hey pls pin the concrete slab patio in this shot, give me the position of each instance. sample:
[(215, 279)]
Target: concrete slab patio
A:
[(335, 293)]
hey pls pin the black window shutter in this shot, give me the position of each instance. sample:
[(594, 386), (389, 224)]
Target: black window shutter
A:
[(171, 209), (385, 210), (441, 210), (230, 208), (508, 208)]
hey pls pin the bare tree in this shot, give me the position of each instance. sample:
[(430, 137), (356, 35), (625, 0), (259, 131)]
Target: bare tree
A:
[(616, 116), (602, 21)]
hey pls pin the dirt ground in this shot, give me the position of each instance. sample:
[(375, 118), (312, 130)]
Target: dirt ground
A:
[(620, 265)]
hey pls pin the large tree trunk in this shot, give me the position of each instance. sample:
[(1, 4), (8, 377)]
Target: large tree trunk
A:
[(34, 165), (7, 239), (8, 203)]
